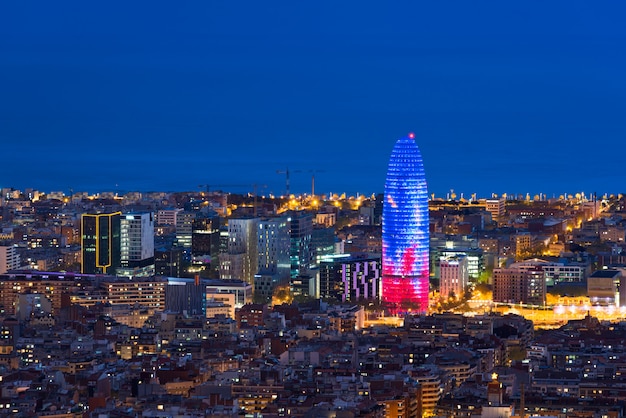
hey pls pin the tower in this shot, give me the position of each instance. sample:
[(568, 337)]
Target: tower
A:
[(100, 243), (137, 245), (405, 229)]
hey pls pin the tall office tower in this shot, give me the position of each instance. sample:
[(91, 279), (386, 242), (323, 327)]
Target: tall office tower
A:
[(184, 228), (205, 245), (9, 258), (273, 247), (273, 262), (301, 253), (240, 260), (100, 243), (322, 242), (454, 276), (136, 245), (405, 229)]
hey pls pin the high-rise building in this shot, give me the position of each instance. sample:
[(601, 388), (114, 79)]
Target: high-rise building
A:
[(273, 262), (301, 253), (136, 245), (454, 276), (240, 260), (406, 229), (184, 228), (205, 245), (273, 247), (100, 243)]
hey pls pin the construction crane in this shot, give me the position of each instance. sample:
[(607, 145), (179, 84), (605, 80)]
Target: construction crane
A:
[(286, 173)]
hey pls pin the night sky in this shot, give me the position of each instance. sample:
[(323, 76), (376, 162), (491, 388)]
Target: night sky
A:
[(516, 97)]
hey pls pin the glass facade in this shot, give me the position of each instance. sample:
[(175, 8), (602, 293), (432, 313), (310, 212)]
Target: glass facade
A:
[(405, 229)]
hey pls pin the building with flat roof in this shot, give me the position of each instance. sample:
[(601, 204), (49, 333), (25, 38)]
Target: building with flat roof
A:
[(9, 258), (136, 245), (100, 243), (350, 277), (514, 285), (454, 276)]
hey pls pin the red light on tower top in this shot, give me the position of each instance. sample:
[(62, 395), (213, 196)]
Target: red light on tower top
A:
[(411, 135)]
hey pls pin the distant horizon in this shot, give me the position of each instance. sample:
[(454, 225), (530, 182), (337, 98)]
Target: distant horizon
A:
[(502, 96), (261, 191)]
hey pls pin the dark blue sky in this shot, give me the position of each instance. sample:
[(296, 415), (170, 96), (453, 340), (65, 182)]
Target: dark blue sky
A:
[(510, 97)]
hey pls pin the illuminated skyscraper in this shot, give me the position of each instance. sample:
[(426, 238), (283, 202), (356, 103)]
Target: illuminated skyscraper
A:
[(100, 243), (405, 229)]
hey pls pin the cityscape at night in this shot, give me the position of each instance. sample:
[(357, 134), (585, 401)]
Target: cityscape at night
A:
[(268, 210)]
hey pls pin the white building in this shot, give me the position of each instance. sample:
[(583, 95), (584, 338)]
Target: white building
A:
[(136, 244), (9, 258), (554, 272)]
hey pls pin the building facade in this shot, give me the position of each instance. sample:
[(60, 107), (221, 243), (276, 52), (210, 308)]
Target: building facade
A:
[(350, 278), (454, 276), (136, 244), (406, 228), (514, 285), (9, 258), (240, 260), (100, 243)]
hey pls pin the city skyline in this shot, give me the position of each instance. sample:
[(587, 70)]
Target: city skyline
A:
[(502, 97)]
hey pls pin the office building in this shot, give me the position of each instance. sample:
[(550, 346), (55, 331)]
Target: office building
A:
[(513, 285), (240, 260), (301, 253), (167, 217), (350, 278), (168, 262), (454, 276), (273, 261), (406, 228), (205, 245), (136, 245), (100, 243), (185, 296), (184, 228)]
